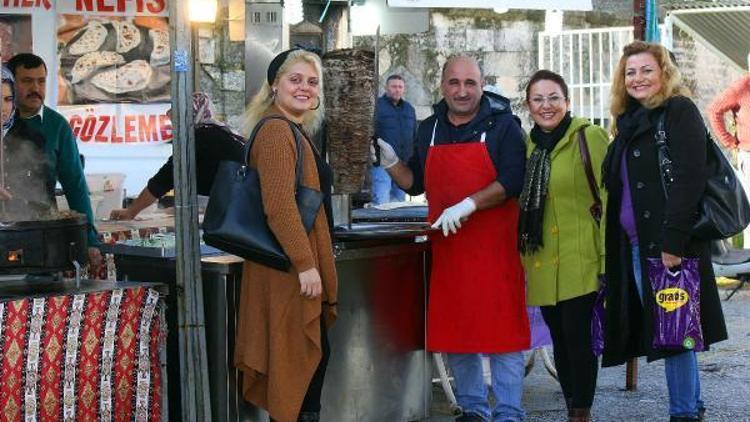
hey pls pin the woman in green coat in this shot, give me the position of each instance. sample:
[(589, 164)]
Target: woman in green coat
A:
[(559, 235)]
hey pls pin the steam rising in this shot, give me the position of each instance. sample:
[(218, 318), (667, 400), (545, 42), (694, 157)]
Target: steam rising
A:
[(26, 177)]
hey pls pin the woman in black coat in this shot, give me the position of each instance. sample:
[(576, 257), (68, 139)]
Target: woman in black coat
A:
[(214, 142), (642, 223)]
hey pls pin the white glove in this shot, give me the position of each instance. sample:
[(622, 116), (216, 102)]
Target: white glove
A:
[(451, 217), (388, 157)]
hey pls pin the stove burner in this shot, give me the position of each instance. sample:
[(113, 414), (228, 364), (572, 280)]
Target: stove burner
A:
[(15, 256), (44, 246)]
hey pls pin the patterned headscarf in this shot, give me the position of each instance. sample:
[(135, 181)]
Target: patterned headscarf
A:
[(10, 80), (203, 109), (203, 114)]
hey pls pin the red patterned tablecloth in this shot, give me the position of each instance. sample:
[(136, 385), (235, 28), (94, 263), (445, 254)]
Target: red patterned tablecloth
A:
[(82, 357)]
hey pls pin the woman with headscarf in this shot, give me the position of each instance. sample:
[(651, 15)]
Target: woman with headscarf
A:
[(282, 347), (214, 142), (26, 192)]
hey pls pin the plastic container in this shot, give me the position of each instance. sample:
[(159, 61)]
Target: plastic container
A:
[(108, 187)]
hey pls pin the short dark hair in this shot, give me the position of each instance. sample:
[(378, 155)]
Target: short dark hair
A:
[(395, 76), (27, 60), (547, 75)]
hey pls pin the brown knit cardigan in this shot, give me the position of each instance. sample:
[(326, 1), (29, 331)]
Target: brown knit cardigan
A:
[(278, 344)]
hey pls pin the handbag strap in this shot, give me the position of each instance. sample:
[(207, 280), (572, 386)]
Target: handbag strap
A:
[(588, 168), (297, 140), (662, 154)]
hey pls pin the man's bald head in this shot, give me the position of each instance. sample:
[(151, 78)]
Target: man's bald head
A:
[(464, 59), (461, 85)]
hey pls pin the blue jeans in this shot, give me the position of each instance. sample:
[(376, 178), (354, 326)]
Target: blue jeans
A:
[(384, 189), (507, 385), (683, 380)]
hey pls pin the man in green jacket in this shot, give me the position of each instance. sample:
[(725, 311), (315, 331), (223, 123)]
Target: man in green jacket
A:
[(65, 165)]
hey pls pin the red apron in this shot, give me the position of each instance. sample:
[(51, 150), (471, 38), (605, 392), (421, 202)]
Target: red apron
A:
[(477, 299)]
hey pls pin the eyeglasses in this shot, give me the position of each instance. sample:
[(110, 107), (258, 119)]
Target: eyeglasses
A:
[(554, 100)]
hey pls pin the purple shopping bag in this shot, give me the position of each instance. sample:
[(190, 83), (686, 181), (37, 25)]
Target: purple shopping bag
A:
[(539, 331), (598, 319), (677, 319)]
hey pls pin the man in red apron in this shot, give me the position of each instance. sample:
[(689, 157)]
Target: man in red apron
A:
[(469, 161)]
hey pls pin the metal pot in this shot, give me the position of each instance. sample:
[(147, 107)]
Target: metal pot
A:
[(43, 246)]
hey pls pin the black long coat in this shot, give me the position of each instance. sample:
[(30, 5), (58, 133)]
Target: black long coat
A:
[(661, 225)]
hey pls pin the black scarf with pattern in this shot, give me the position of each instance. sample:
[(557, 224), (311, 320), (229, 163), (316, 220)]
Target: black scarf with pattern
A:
[(535, 184)]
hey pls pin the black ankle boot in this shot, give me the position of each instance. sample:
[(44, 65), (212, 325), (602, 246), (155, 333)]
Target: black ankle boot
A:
[(308, 417)]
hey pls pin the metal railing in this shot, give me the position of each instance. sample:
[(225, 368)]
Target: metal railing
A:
[(587, 59)]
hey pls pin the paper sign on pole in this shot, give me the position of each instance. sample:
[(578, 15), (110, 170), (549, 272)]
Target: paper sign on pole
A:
[(509, 4)]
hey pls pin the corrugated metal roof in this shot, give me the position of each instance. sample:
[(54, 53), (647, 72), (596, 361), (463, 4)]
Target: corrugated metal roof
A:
[(725, 29), (700, 4)]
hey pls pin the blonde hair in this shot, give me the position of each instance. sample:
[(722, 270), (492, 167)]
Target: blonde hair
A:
[(264, 99), (671, 79)]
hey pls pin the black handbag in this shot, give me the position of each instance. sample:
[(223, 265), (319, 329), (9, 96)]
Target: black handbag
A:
[(723, 210), (235, 220)]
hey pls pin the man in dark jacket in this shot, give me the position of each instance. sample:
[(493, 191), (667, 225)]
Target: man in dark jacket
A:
[(469, 159), (395, 123)]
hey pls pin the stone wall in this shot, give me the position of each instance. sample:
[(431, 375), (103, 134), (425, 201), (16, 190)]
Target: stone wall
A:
[(704, 71), (222, 68), (504, 44)]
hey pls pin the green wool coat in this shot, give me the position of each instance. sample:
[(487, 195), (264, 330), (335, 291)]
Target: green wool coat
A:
[(568, 264)]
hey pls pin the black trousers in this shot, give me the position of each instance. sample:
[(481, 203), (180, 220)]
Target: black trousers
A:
[(311, 403), (569, 324)]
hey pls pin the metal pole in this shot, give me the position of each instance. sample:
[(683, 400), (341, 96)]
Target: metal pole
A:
[(194, 386), (639, 19), (2, 152)]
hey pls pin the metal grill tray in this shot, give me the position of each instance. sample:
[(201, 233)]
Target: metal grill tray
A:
[(364, 231), (152, 251), (403, 214)]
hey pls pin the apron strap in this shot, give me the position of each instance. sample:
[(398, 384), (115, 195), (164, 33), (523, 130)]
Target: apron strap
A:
[(434, 127)]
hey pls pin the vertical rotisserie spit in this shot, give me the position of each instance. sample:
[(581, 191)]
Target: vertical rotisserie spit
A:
[(349, 78)]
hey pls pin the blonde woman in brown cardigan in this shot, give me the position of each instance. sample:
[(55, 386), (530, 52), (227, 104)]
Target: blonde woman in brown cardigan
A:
[(282, 348)]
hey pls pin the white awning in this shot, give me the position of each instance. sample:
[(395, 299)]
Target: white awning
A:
[(723, 29)]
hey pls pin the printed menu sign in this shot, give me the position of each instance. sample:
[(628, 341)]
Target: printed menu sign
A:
[(114, 7), (133, 124)]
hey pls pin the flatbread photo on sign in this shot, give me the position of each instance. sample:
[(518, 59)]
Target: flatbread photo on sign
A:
[(128, 36), (134, 76), (93, 36), (131, 64), (90, 62), (160, 51)]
